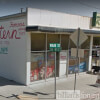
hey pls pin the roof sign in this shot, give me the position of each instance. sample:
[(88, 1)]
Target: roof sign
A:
[(96, 19)]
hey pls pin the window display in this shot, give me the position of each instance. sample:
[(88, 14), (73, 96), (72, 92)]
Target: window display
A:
[(37, 66), (50, 64), (73, 63)]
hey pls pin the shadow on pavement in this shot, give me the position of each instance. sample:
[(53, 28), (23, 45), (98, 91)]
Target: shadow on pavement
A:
[(13, 95), (93, 85), (3, 96), (4, 81), (30, 93), (41, 93)]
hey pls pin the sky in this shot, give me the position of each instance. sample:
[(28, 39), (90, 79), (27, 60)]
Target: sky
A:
[(76, 7)]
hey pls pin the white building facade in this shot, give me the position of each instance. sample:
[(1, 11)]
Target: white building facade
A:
[(25, 39)]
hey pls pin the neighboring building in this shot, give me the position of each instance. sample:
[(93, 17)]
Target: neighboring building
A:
[(25, 39)]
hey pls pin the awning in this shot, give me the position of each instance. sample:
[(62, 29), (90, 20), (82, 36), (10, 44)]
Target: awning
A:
[(55, 29)]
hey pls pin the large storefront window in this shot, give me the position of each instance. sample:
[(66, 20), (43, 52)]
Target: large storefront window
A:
[(96, 52), (38, 47), (38, 69), (53, 38), (38, 42), (86, 47), (50, 64), (43, 61), (64, 42)]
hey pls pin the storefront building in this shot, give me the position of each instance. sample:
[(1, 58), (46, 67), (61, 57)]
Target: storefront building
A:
[(24, 45)]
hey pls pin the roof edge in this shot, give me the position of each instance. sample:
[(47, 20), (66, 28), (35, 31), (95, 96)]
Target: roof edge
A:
[(56, 29), (13, 15)]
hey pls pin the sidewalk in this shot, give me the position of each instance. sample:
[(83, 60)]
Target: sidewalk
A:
[(45, 90)]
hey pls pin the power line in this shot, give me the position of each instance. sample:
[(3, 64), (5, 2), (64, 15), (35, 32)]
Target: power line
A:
[(87, 5)]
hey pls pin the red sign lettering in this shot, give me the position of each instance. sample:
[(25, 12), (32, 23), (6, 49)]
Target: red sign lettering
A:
[(6, 34)]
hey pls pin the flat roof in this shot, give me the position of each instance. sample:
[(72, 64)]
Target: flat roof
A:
[(55, 29), (13, 15)]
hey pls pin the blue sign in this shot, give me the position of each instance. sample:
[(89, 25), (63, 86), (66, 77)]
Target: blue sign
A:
[(81, 68)]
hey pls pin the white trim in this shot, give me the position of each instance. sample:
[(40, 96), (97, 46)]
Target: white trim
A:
[(90, 53), (28, 73), (28, 63)]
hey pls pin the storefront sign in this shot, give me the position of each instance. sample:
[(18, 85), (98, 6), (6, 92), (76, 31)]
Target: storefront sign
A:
[(96, 19), (55, 47), (7, 34)]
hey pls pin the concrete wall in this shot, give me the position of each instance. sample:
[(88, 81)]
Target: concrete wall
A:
[(13, 49), (55, 19)]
